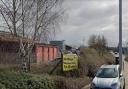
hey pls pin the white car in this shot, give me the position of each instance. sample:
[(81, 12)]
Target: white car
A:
[(108, 77)]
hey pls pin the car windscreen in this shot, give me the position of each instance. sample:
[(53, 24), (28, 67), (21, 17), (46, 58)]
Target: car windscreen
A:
[(107, 73)]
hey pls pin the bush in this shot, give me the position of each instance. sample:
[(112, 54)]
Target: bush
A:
[(25, 81), (9, 80), (2, 86)]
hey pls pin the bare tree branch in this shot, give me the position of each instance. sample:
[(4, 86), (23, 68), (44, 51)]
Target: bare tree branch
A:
[(6, 21), (30, 19), (6, 7)]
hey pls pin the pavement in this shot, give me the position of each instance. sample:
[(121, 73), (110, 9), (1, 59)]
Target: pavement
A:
[(125, 74), (86, 87)]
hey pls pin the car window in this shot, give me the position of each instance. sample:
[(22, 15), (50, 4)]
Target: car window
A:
[(107, 73)]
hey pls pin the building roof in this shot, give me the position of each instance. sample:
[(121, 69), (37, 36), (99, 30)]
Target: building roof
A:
[(7, 36), (43, 44)]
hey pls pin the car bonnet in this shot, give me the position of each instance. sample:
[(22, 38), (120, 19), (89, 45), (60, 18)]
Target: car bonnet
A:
[(104, 82)]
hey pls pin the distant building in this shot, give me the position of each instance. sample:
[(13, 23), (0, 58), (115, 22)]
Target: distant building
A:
[(60, 44)]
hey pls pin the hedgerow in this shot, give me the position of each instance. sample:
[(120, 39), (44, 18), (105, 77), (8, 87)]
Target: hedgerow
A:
[(25, 81)]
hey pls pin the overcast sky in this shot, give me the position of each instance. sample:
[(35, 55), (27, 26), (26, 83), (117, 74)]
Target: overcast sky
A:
[(87, 17)]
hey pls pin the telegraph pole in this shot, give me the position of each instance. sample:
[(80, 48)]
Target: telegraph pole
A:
[(120, 35)]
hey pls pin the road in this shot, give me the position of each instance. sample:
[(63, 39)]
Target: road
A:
[(125, 74)]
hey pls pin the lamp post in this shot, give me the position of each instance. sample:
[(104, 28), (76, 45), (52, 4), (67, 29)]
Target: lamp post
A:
[(120, 34)]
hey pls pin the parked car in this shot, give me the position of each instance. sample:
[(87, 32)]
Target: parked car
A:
[(108, 77)]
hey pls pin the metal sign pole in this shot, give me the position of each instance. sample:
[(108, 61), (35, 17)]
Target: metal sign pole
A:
[(120, 34)]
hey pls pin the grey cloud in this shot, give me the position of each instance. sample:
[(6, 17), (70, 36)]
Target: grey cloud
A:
[(86, 17)]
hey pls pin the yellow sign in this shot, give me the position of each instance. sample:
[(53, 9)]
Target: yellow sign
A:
[(70, 62)]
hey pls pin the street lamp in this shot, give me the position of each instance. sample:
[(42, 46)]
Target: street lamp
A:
[(120, 34)]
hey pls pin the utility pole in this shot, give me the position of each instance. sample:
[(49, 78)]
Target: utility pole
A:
[(120, 35)]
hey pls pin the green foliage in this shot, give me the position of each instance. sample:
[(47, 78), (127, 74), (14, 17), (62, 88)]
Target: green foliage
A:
[(25, 81), (9, 80), (2, 86)]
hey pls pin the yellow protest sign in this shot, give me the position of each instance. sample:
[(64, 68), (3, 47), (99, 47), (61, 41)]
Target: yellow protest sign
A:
[(70, 62)]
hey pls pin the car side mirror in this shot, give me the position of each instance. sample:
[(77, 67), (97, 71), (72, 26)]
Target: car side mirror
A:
[(121, 75)]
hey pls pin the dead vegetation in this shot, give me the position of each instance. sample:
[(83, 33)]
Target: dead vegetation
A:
[(90, 61)]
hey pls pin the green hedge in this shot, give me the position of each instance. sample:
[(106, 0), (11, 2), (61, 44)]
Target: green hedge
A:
[(11, 80), (25, 81)]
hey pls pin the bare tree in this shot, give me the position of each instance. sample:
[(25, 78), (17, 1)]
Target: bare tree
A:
[(99, 43), (10, 15), (92, 41), (31, 19)]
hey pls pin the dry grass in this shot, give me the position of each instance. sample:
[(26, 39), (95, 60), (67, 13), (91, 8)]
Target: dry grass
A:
[(7, 67), (90, 61), (72, 83)]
